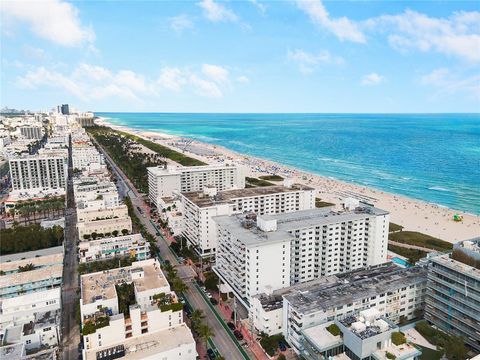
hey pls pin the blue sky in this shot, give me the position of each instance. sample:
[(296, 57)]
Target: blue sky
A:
[(242, 56)]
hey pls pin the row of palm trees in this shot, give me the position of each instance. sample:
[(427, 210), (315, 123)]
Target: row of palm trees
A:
[(39, 208)]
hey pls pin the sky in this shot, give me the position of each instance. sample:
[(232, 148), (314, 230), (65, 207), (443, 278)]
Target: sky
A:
[(241, 56)]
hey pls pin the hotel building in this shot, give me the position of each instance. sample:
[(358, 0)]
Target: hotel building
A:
[(103, 221), (200, 207), (38, 172), (163, 181), (265, 253)]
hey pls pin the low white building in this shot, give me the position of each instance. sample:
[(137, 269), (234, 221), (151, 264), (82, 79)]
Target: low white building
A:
[(200, 207), (164, 181), (156, 317), (103, 221), (364, 335), (83, 156), (30, 298), (133, 245), (395, 292), (256, 253)]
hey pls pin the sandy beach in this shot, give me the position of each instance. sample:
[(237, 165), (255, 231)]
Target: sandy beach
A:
[(414, 215)]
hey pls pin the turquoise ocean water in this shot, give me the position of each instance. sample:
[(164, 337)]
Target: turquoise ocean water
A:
[(431, 157)]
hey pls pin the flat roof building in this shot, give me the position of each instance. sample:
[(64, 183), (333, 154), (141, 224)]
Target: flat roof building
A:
[(199, 207), (256, 253), (164, 181), (453, 292)]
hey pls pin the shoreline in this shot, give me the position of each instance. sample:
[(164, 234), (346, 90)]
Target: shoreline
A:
[(415, 215)]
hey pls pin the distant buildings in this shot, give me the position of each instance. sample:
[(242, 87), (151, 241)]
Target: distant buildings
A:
[(164, 182), (256, 254), (32, 132), (131, 311), (30, 298), (65, 109), (453, 292), (199, 207)]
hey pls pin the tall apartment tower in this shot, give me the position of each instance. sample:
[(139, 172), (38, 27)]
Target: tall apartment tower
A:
[(39, 172), (276, 251), (65, 109), (453, 292)]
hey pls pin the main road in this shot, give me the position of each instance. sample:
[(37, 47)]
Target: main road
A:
[(70, 328), (227, 347)]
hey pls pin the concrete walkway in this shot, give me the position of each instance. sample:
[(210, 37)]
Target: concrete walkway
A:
[(408, 246), (414, 336)]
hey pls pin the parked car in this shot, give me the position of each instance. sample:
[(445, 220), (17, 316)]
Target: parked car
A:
[(211, 354), (213, 301), (231, 325), (238, 334), (282, 346)]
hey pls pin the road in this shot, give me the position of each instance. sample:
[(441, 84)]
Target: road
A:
[(70, 329), (224, 343)]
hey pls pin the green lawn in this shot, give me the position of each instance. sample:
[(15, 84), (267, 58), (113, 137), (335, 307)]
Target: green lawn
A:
[(319, 203), (419, 239), (429, 354), (392, 227), (254, 182), (271, 177)]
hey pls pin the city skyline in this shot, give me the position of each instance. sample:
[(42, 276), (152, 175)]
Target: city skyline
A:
[(252, 56)]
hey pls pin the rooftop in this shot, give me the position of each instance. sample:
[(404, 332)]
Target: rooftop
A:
[(355, 285), (200, 199), (146, 346), (38, 261), (101, 285), (174, 170), (244, 227)]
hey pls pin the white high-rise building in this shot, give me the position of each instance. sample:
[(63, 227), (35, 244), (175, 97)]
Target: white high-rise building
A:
[(32, 132), (276, 251), (163, 181), (38, 172), (200, 207)]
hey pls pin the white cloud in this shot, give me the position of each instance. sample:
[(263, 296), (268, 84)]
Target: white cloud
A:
[(260, 6), (53, 20), (205, 88), (372, 79), (308, 62), (449, 83), (243, 79), (180, 23), (343, 28), (216, 12), (88, 82), (216, 73), (172, 78), (457, 35)]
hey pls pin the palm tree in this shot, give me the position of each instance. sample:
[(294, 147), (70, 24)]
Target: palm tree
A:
[(179, 286), (197, 317), (205, 333)]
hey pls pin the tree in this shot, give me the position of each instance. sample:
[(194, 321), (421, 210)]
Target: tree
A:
[(398, 338), (124, 232), (205, 333), (281, 357), (94, 235), (27, 267), (196, 318), (58, 233), (455, 348), (179, 286), (115, 233)]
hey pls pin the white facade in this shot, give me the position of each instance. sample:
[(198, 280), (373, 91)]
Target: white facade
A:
[(32, 132), (129, 245), (40, 172), (396, 293), (155, 317), (200, 207), (103, 221), (164, 182), (83, 156), (315, 243)]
